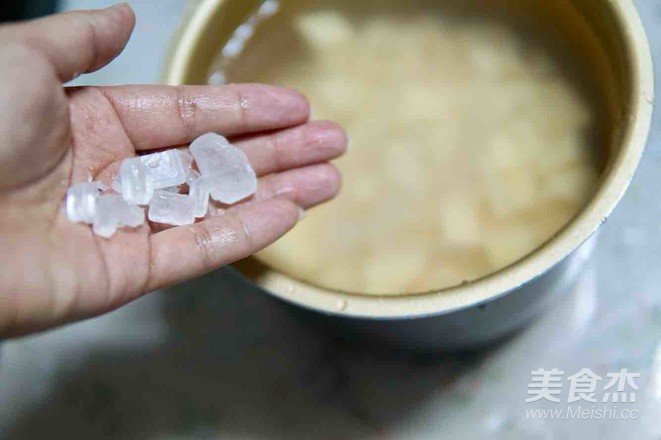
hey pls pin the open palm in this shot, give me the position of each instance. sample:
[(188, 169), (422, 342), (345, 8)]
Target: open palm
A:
[(54, 271)]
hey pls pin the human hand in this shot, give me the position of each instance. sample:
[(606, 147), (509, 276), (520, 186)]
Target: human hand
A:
[(51, 136)]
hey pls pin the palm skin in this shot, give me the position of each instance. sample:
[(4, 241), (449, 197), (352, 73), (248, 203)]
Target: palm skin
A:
[(51, 136)]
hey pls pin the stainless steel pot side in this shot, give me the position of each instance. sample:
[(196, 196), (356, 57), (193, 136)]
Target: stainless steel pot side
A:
[(609, 38)]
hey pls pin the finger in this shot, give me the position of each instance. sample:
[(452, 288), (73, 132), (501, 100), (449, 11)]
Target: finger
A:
[(218, 241), (307, 144), (76, 42), (162, 116)]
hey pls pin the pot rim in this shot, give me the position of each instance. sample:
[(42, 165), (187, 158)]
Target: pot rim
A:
[(526, 270)]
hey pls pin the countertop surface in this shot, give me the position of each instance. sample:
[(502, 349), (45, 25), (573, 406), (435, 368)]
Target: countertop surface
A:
[(216, 358)]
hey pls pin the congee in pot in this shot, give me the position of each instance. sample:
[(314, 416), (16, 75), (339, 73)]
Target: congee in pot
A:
[(473, 140)]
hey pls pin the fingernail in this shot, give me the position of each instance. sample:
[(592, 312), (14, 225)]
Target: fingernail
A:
[(118, 5), (301, 214)]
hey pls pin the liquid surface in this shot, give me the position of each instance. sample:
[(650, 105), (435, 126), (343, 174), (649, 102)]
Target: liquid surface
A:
[(470, 146)]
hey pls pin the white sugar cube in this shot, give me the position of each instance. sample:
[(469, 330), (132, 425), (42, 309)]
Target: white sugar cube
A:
[(186, 160), (156, 180), (81, 202), (225, 168), (193, 175), (116, 184), (112, 212), (165, 169), (171, 208), (131, 215), (106, 219), (136, 187), (199, 192)]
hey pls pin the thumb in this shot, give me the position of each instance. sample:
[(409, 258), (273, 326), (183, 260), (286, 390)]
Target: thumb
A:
[(76, 42), (37, 56)]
